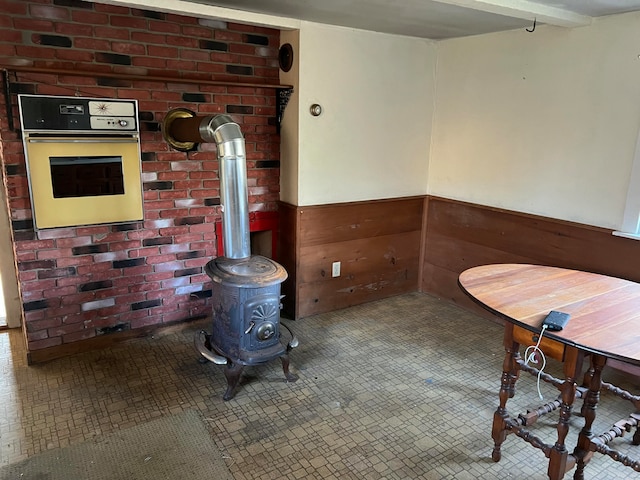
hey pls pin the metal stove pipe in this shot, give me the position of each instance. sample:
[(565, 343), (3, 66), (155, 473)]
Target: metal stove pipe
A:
[(182, 129)]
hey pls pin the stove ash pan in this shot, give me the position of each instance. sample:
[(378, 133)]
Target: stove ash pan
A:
[(246, 326)]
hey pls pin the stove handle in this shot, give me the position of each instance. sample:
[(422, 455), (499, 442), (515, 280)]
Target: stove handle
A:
[(199, 341), (83, 140), (293, 343)]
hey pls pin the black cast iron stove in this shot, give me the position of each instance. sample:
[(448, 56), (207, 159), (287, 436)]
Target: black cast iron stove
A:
[(246, 327)]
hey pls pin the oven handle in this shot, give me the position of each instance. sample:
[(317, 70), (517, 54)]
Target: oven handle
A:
[(83, 140)]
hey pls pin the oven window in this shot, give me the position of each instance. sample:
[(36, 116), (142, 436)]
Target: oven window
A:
[(86, 176)]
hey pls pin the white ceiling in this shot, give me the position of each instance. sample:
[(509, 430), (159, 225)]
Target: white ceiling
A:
[(436, 19)]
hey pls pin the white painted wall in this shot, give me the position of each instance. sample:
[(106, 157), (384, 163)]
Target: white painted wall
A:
[(542, 122), (290, 124), (11, 312), (377, 95)]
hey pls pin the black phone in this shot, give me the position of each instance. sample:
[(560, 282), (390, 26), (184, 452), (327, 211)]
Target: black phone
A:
[(556, 321)]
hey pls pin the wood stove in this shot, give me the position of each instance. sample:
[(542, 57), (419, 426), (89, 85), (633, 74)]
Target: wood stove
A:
[(246, 326)]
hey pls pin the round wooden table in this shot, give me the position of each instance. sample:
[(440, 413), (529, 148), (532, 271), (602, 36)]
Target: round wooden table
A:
[(605, 323)]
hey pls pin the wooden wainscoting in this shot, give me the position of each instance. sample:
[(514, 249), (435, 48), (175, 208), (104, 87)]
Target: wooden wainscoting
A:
[(377, 243), (462, 235)]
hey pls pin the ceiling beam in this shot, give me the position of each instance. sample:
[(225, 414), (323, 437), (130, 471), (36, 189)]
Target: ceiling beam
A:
[(525, 9)]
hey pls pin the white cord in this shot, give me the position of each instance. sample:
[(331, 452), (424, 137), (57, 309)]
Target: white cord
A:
[(530, 356)]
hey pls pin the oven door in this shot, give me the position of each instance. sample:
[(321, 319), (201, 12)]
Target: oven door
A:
[(84, 180)]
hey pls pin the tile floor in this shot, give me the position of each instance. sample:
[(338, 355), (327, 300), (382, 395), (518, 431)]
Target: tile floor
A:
[(402, 388)]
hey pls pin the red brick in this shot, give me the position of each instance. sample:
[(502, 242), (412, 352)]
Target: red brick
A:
[(37, 325), (27, 276), (32, 295), (181, 65), (54, 253), (39, 335), (93, 18), (9, 36), (114, 311), (34, 244), (94, 268), (74, 261), (198, 55), (64, 329), (81, 335), (197, 31), (93, 230), (34, 52), (142, 234), (59, 292), (109, 237), (144, 286), (142, 269), (212, 68), (201, 228), (111, 33), (101, 294), (91, 43), (153, 260), (162, 51), (183, 175), (128, 48), (131, 298), (159, 26), (188, 238), (228, 35), (39, 344), (73, 29), (199, 211), (13, 7), (158, 276), (128, 22), (63, 241), (174, 196), (34, 316)]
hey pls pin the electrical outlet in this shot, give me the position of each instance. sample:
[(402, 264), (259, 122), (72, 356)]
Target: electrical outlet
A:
[(335, 269)]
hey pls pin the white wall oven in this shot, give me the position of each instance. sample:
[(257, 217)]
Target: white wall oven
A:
[(83, 160)]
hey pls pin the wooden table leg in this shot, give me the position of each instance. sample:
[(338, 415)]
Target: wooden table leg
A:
[(582, 451), (510, 372), (559, 460)]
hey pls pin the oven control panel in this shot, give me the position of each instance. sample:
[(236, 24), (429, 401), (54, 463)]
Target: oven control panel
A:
[(44, 113)]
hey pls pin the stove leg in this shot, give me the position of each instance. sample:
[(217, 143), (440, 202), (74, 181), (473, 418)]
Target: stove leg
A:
[(285, 367), (232, 373)]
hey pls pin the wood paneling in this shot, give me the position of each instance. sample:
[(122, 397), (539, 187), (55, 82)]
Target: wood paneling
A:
[(377, 242), (461, 235), (287, 248)]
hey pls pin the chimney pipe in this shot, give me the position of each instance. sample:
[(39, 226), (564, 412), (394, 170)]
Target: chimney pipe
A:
[(182, 129)]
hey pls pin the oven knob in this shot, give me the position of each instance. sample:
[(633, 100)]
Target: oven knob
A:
[(123, 123), (266, 331)]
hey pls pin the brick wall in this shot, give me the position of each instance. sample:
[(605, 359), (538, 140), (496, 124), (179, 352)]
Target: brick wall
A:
[(81, 282)]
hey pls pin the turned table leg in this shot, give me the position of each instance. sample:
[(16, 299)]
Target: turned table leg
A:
[(510, 372), (582, 451), (559, 456)]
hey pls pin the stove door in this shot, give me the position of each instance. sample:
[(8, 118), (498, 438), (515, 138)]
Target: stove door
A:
[(262, 321)]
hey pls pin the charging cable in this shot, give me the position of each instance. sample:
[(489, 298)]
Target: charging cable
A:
[(534, 355)]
